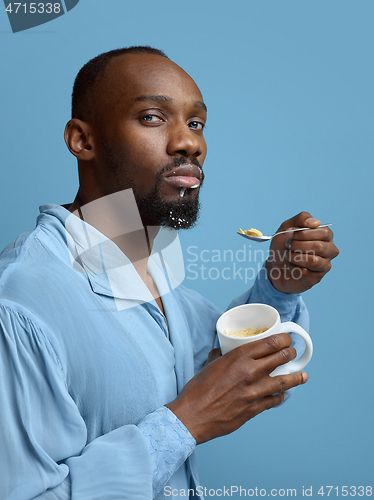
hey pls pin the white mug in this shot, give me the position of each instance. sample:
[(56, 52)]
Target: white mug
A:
[(261, 316)]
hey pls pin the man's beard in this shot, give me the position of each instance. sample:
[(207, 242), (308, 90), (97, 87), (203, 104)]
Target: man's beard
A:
[(154, 209), (179, 214)]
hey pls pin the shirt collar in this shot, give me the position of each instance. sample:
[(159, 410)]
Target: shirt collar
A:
[(108, 269)]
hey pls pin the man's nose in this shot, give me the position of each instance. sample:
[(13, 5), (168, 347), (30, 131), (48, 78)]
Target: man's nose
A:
[(183, 141)]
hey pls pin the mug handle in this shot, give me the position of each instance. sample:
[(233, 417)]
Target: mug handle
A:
[(297, 365)]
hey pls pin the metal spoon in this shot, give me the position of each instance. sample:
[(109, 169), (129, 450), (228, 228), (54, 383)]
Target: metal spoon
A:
[(260, 239)]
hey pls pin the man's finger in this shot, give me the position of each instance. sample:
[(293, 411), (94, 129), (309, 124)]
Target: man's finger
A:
[(322, 248), (307, 277), (259, 348), (277, 387), (312, 262), (271, 401), (282, 383), (269, 363), (320, 233), (303, 219), (213, 355)]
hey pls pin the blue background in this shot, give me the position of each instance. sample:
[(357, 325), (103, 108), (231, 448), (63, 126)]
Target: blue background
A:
[(289, 86)]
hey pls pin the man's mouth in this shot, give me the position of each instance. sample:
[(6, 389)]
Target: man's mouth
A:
[(185, 176)]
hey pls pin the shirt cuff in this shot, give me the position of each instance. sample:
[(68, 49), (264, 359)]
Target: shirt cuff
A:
[(170, 444)]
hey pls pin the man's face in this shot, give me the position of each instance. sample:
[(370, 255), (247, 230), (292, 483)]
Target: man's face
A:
[(148, 131)]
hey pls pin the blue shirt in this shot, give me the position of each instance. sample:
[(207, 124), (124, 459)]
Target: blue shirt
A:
[(87, 363)]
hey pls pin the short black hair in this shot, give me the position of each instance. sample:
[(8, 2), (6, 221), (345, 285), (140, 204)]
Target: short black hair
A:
[(92, 71)]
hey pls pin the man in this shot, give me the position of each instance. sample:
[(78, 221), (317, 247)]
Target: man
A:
[(99, 346)]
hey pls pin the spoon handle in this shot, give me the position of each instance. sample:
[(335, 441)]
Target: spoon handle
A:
[(301, 229)]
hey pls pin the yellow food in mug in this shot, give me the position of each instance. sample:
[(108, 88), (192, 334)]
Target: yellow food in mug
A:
[(251, 232), (249, 332)]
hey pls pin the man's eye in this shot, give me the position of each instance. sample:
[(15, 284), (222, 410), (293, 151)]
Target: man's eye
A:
[(196, 125), (151, 118)]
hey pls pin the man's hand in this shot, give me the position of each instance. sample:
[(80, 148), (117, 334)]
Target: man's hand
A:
[(236, 387), (299, 260)]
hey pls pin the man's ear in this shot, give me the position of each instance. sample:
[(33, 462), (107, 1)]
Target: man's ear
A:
[(79, 139)]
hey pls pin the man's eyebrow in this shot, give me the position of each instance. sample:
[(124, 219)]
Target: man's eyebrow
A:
[(155, 98), (164, 99), (202, 105)]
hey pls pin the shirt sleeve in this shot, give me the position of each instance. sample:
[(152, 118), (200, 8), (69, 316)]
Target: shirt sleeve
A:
[(170, 444), (44, 452)]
